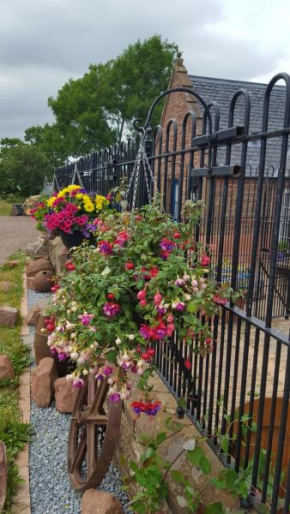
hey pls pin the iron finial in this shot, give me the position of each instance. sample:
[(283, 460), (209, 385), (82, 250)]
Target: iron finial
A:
[(179, 60)]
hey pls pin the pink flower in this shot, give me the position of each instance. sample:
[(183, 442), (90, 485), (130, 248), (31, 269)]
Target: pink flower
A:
[(77, 383), (219, 300), (110, 309), (205, 260), (157, 299), (121, 238), (179, 306)]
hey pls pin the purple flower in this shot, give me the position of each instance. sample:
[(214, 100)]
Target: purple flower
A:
[(62, 356), (179, 306), (160, 333), (152, 411), (161, 310), (107, 370), (110, 309), (115, 397), (86, 318), (166, 244)]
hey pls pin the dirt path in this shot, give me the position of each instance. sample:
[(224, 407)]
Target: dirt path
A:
[(16, 232)]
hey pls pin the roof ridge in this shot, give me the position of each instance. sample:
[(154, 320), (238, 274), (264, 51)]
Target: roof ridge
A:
[(235, 81)]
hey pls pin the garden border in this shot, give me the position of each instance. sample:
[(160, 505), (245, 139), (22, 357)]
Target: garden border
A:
[(21, 502)]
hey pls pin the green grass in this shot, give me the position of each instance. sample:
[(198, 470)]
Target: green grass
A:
[(13, 431), (5, 208)]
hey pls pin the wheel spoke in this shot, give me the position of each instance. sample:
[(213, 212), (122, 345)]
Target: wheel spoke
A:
[(92, 449), (79, 456)]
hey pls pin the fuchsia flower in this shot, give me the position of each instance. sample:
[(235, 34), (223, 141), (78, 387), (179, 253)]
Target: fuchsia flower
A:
[(145, 331), (86, 318), (114, 397), (110, 309), (105, 247), (157, 299), (149, 408), (219, 300), (167, 245), (179, 306), (121, 238), (77, 383), (205, 260)]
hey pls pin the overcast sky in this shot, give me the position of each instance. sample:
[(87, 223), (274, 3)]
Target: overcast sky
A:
[(43, 43)]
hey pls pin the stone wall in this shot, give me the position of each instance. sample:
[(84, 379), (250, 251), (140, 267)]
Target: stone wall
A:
[(130, 449)]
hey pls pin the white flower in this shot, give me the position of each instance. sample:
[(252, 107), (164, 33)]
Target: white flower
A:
[(68, 311), (118, 340), (140, 363), (73, 335), (85, 372), (74, 308), (131, 337), (187, 297), (81, 360), (74, 356), (69, 326)]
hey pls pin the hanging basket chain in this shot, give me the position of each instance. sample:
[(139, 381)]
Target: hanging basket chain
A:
[(141, 159)]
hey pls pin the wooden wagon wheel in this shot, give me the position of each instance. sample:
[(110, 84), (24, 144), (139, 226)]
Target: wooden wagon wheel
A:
[(93, 435)]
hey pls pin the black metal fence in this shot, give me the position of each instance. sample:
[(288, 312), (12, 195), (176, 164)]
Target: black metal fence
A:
[(246, 222)]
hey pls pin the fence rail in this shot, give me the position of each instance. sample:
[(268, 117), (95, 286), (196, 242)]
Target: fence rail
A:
[(246, 224)]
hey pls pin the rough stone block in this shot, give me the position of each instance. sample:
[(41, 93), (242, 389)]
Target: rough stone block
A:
[(6, 369), (65, 395), (13, 264), (38, 248), (57, 254), (30, 283), (98, 502), (3, 475), (42, 382), (34, 267), (8, 316)]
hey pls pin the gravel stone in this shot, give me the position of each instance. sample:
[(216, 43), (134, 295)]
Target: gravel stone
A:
[(50, 489)]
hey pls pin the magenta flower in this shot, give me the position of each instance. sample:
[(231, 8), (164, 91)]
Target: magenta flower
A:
[(179, 306), (110, 309), (166, 244), (115, 397), (145, 332), (62, 356), (86, 318), (105, 247), (77, 383), (107, 370)]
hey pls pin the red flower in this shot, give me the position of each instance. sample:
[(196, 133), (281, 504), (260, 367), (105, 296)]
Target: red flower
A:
[(129, 265), (219, 300), (187, 364), (69, 266)]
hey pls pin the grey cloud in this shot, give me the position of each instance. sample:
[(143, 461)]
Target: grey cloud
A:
[(44, 43)]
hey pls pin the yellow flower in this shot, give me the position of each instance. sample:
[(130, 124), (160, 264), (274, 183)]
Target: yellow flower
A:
[(80, 196), (101, 201), (89, 206), (72, 187)]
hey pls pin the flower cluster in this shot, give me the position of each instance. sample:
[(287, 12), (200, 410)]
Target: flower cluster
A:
[(69, 210), (117, 303)]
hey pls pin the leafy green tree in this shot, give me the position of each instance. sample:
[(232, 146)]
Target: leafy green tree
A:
[(22, 169), (102, 104)]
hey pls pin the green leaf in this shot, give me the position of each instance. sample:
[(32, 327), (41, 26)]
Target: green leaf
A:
[(192, 307), (161, 437), (195, 455), (205, 466), (176, 475), (215, 508)]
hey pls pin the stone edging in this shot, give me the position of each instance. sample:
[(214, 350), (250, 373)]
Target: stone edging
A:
[(21, 502)]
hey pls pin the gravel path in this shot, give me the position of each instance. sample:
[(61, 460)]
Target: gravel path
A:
[(16, 232), (50, 489)]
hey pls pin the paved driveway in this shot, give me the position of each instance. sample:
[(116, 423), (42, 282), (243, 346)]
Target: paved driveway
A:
[(16, 232)]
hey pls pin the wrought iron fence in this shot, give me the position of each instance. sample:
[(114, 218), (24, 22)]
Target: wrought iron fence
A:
[(246, 224)]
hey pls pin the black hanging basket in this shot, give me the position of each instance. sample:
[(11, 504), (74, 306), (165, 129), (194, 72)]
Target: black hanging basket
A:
[(71, 240)]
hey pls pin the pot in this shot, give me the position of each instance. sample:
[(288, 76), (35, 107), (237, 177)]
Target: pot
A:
[(71, 240), (43, 281)]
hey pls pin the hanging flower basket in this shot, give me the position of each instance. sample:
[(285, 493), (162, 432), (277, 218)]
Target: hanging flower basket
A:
[(74, 239)]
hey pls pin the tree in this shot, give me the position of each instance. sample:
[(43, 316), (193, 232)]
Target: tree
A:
[(23, 168), (103, 103)]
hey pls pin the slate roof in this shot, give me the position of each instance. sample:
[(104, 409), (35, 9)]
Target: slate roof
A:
[(222, 91)]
